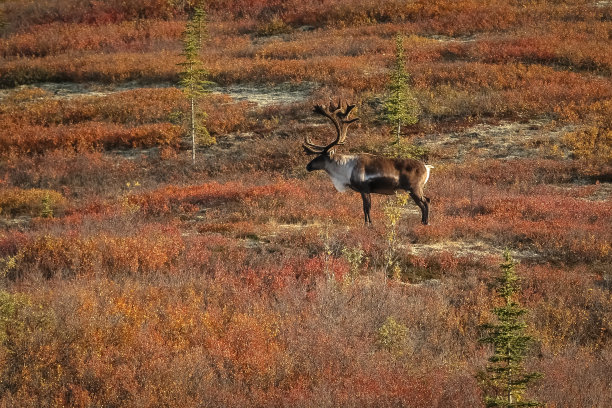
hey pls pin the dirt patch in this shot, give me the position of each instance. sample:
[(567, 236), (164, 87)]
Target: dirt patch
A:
[(602, 193), (594, 192), (68, 90), (446, 38), (472, 249), (506, 140), (265, 95), (15, 223), (262, 95)]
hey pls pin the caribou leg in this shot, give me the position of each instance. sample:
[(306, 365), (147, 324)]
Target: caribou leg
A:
[(367, 204), (423, 203), (425, 219)]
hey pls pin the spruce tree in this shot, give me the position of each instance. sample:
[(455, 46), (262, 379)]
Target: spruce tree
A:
[(401, 106), (47, 207), (193, 78), (505, 380)]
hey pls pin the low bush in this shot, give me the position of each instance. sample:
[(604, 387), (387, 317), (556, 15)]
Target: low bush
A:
[(593, 146), (134, 107), (50, 256), (88, 137), (33, 202), (60, 37)]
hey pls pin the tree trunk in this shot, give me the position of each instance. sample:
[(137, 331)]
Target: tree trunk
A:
[(397, 137), (193, 130)]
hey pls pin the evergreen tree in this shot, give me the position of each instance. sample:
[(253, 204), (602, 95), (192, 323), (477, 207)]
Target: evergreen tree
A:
[(47, 207), (401, 106), (194, 76), (505, 379)]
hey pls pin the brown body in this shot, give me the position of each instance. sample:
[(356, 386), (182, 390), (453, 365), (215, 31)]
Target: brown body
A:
[(366, 173)]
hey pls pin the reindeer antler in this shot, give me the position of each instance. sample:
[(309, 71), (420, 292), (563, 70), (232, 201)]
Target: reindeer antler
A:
[(339, 118)]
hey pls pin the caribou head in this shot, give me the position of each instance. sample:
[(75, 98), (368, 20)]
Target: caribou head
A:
[(366, 173), (339, 118)]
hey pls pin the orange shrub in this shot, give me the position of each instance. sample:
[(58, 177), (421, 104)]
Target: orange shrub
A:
[(34, 202), (566, 309), (77, 11), (136, 106), (82, 172), (224, 116), (574, 230), (527, 49), (150, 250), (523, 172), (60, 38), (592, 145), (30, 115), (245, 346), (171, 198), (88, 136), (108, 68), (115, 340)]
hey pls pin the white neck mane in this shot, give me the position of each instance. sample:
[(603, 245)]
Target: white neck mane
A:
[(340, 167)]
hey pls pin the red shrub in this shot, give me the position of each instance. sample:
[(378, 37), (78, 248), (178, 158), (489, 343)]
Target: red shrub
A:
[(88, 137)]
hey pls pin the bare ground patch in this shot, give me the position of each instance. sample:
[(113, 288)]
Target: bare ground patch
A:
[(261, 95), (507, 140), (265, 95), (68, 90), (472, 249)]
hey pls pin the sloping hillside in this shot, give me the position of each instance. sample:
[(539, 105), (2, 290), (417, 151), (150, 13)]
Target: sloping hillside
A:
[(130, 276)]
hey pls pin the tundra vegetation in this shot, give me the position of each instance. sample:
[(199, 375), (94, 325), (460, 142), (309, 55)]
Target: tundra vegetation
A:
[(132, 277)]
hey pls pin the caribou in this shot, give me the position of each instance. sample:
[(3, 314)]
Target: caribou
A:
[(366, 173)]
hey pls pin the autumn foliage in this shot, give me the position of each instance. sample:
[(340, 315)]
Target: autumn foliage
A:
[(130, 276)]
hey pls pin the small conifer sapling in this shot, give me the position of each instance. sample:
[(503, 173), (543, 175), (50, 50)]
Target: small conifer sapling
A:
[(193, 78), (401, 106), (505, 380)]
